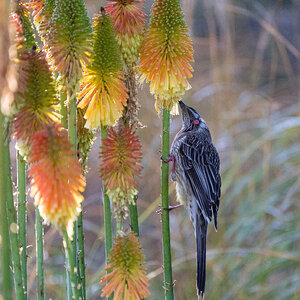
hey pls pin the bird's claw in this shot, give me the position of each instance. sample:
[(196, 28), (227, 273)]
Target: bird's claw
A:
[(166, 160), (167, 285), (159, 211)]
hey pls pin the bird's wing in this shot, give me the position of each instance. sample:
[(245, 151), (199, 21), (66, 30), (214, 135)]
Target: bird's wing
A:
[(200, 161)]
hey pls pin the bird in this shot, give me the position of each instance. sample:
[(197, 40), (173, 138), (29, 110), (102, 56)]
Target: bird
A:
[(196, 171)]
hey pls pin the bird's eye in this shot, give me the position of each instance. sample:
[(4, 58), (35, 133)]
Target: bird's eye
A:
[(196, 122)]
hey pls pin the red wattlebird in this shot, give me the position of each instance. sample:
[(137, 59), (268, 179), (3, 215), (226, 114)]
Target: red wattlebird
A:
[(195, 169)]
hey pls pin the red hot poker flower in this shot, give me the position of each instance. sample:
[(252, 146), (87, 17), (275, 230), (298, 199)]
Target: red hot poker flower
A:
[(129, 23), (126, 263), (56, 179), (166, 54)]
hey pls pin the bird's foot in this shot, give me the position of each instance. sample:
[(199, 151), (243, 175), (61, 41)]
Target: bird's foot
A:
[(159, 211), (167, 160), (167, 285)]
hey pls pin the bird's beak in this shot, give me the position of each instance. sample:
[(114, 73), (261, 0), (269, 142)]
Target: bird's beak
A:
[(188, 112), (184, 110), (182, 105)]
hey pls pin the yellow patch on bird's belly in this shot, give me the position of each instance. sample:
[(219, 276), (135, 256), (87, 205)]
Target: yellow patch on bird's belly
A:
[(180, 193)]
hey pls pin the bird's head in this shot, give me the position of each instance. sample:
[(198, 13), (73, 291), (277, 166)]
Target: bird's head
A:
[(191, 120)]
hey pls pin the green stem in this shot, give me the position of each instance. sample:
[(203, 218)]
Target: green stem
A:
[(64, 122), (107, 224), (12, 223), (72, 126), (134, 217), (5, 245), (73, 255), (72, 122), (63, 109), (168, 282), (22, 213), (68, 280), (72, 269), (39, 255), (81, 256), (107, 215)]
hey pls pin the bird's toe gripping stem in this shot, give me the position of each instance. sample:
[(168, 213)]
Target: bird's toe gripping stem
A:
[(167, 160)]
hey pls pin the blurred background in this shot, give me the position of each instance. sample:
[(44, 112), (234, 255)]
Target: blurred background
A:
[(246, 87)]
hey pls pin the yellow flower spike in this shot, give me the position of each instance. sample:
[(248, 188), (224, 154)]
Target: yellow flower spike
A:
[(68, 41), (128, 278), (166, 54), (36, 97), (103, 88), (129, 22), (56, 179)]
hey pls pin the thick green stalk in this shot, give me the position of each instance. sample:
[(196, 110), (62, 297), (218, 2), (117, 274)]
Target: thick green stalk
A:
[(68, 280), (81, 262), (39, 255), (6, 286), (73, 255), (72, 122), (107, 224), (78, 238), (13, 227), (64, 123), (107, 215), (134, 217), (168, 282), (22, 213), (72, 269), (63, 109)]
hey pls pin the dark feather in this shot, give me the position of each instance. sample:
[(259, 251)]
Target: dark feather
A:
[(201, 232), (200, 161)]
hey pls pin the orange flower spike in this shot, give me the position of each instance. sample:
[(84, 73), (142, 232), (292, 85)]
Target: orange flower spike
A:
[(129, 22), (52, 161), (126, 263), (42, 13), (121, 156), (166, 54), (37, 8), (103, 88), (26, 30)]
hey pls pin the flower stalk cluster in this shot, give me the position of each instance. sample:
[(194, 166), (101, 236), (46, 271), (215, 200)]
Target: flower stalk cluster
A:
[(96, 71)]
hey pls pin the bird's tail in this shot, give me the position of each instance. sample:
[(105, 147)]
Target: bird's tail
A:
[(201, 231)]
